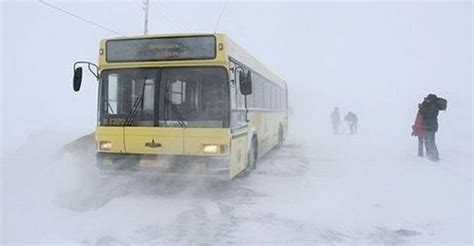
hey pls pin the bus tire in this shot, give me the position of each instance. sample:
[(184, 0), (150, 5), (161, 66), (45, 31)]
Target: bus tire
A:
[(253, 154), (251, 159), (280, 137)]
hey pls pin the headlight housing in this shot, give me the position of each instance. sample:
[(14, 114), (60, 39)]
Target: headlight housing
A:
[(215, 149), (105, 145)]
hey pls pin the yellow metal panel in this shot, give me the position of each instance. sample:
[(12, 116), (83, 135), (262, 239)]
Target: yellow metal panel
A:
[(154, 140), (267, 125), (195, 138), (110, 134), (238, 161)]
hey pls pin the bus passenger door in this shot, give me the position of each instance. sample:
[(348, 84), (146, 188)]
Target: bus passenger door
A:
[(239, 133), (239, 143), (238, 123)]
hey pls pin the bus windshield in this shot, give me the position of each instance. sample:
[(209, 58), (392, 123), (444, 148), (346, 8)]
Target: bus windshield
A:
[(166, 97)]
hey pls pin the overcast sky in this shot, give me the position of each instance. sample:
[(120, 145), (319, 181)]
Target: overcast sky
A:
[(378, 59)]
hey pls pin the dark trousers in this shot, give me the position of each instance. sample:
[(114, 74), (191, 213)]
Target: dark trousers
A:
[(430, 144), (335, 127), (353, 127)]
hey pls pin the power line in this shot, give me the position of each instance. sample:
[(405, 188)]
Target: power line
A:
[(79, 17), (220, 15), (162, 12), (146, 8)]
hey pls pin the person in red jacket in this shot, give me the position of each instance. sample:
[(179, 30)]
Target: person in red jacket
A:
[(417, 130)]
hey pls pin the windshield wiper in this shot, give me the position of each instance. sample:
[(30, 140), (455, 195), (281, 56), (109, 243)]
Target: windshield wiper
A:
[(181, 119), (110, 107), (131, 115)]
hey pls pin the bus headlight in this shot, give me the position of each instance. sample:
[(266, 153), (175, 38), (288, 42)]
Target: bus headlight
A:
[(210, 148), (215, 149), (105, 145)]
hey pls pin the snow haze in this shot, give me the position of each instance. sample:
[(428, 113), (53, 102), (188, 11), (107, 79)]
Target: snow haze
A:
[(377, 59)]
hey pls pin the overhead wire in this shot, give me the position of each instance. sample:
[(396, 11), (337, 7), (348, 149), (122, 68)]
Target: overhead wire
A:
[(178, 23), (79, 17), (175, 21), (220, 15)]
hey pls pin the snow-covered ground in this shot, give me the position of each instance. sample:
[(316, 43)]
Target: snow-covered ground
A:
[(376, 58), (317, 189)]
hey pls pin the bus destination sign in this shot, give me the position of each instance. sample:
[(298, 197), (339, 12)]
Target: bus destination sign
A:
[(161, 49)]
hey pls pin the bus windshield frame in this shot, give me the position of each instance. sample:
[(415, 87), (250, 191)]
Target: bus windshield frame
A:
[(199, 96)]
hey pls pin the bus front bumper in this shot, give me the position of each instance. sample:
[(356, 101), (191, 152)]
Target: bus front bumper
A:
[(164, 164)]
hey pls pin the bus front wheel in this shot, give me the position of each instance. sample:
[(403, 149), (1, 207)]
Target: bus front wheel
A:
[(251, 160)]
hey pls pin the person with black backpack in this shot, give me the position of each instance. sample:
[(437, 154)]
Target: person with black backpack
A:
[(352, 121), (429, 110)]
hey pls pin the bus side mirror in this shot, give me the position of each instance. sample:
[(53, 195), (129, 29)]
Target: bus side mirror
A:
[(245, 81), (77, 80)]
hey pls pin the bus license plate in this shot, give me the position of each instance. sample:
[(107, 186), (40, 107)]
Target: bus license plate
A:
[(155, 163), (200, 166)]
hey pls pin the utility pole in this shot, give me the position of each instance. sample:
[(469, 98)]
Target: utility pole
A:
[(146, 8)]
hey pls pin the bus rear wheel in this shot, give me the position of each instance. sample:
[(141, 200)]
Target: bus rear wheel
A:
[(280, 137), (252, 158)]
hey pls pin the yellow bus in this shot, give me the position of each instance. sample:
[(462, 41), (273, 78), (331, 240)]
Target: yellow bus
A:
[(184, 103)]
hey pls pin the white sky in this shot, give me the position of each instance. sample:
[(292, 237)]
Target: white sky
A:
[(375, 58)]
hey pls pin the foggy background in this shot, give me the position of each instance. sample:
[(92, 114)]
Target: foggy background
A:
[(377, 59)]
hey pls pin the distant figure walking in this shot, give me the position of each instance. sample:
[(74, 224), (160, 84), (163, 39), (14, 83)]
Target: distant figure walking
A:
[(417, 130), (336, 120), (429, 110), (352, 120)]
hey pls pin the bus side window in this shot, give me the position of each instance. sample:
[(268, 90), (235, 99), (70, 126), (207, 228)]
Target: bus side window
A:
[(240, 98), (232, 73), (237, 102), (232, 85), (275, 94), (233, 92), (277, 98), (267, 92), (251, 97), (258, 92), (272, 96)]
